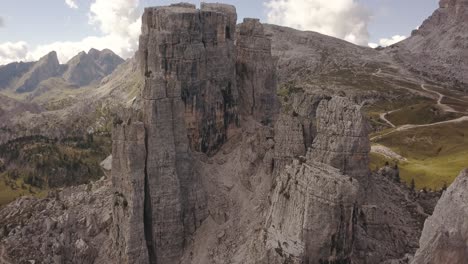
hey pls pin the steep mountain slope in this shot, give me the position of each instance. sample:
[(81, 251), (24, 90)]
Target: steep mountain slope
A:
[(106, 59), (86, 68), (47, 67), (439, 48), (303, 53), (10, 72)]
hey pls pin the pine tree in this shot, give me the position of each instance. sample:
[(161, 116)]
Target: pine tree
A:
[(397, 173), (444, 188)]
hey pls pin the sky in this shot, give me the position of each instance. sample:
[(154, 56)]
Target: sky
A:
[(71, 26)]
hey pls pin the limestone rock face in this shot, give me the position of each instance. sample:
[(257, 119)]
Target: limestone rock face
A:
[(445, 235), (128, 180), (313, 215), (289, 141), (189, 104), (256, 72), (189, 58), (342, 138), (47, 67)]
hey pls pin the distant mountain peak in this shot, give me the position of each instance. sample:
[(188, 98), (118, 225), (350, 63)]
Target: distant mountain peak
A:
[(81, 70), (441, 40), (86, 68), (47, 67)]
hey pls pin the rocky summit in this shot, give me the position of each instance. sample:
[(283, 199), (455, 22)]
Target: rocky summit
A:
[(440, 41), (231, 143)]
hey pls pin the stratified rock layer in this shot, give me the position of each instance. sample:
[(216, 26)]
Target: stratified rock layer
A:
[(445, 235)]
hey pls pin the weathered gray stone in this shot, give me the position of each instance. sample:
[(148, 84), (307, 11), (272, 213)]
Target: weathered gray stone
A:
[(189, 55), (445, 235), (313, 215), (289, 141), (256, 73), (342, 138), (128, 180)]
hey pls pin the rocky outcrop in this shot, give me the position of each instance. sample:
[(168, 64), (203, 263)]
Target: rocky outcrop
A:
[(256, 73), (289, 141), (342, 138), (313, 215), (445, 235), (197, 72), (47, 67), (189, 104), (69, 226)]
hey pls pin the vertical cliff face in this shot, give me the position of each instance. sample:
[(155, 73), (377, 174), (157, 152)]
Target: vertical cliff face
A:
[(342, 138), (256, 72), (128, 178), (203, 82), (189, 104), (188, 57)]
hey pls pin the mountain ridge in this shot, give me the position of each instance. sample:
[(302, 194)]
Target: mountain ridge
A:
[(82, 70)]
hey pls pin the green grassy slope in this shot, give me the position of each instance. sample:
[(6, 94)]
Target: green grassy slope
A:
[(422, 113), (34, 165), (435, 154)]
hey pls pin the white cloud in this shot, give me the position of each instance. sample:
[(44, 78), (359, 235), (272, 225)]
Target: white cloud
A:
[(118, 21), (120, 17), (388, 42), (13, 51), (71, 3), (384, 42), (345, 19), (2, 24)]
